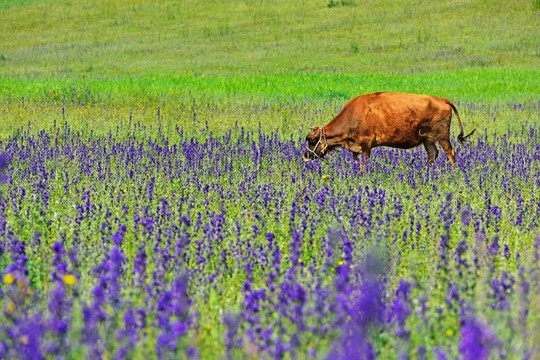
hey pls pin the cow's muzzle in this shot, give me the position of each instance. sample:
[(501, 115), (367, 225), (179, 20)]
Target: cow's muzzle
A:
[(318, 150)]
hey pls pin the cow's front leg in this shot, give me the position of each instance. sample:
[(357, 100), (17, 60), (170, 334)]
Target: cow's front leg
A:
[(356, 162), (356, 149)]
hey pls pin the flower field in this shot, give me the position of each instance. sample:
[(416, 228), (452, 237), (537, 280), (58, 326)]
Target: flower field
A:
[(146, 242), (154, 203)]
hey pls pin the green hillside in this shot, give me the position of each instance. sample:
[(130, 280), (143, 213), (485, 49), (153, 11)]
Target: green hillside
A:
[(110, 50)]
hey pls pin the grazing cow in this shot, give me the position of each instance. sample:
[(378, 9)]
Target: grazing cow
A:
[(387, 119)]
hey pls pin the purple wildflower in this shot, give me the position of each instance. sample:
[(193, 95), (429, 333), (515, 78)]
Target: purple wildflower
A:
[(476, 340)]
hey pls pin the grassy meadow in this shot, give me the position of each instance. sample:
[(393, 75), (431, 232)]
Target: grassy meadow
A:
[(154, 203)]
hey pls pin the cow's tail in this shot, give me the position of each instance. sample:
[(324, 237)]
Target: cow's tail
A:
[(460, 137)]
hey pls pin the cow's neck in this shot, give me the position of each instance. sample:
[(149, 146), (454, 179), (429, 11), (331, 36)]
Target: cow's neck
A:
[(334, 137)]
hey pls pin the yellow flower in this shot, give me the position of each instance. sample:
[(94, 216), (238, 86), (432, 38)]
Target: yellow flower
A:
[(326, 177), (9, 279), (340, 262), (70, 280), (449, 332), (11, 307), (351, 266), (299, 260)]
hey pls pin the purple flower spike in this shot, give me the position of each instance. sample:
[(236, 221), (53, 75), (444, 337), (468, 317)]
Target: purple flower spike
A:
[(232, 322), (4, 163), (476, 340)]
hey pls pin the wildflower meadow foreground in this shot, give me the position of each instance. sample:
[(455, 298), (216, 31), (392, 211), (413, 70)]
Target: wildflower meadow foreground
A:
[(145, 243)]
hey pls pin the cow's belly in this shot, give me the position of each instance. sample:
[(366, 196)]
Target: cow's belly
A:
[(398, 138)]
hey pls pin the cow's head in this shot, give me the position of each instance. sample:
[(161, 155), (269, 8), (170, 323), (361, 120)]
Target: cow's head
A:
[(317, 145)]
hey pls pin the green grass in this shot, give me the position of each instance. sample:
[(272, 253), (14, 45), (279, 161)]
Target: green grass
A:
[(291, 119), (473, 85), (211, 65), (131, 54), (130, 38), (6, 4)]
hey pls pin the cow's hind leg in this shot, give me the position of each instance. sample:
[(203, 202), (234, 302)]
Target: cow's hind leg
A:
[(448, 150), (432, 152)]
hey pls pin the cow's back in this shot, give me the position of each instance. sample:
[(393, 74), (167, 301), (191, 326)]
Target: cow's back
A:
[(394, 119)]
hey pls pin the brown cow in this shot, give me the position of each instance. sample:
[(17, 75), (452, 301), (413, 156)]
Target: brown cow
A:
[(387, 119)]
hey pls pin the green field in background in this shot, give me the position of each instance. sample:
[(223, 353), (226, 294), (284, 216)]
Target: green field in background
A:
[(128, 53), (473, 85)]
